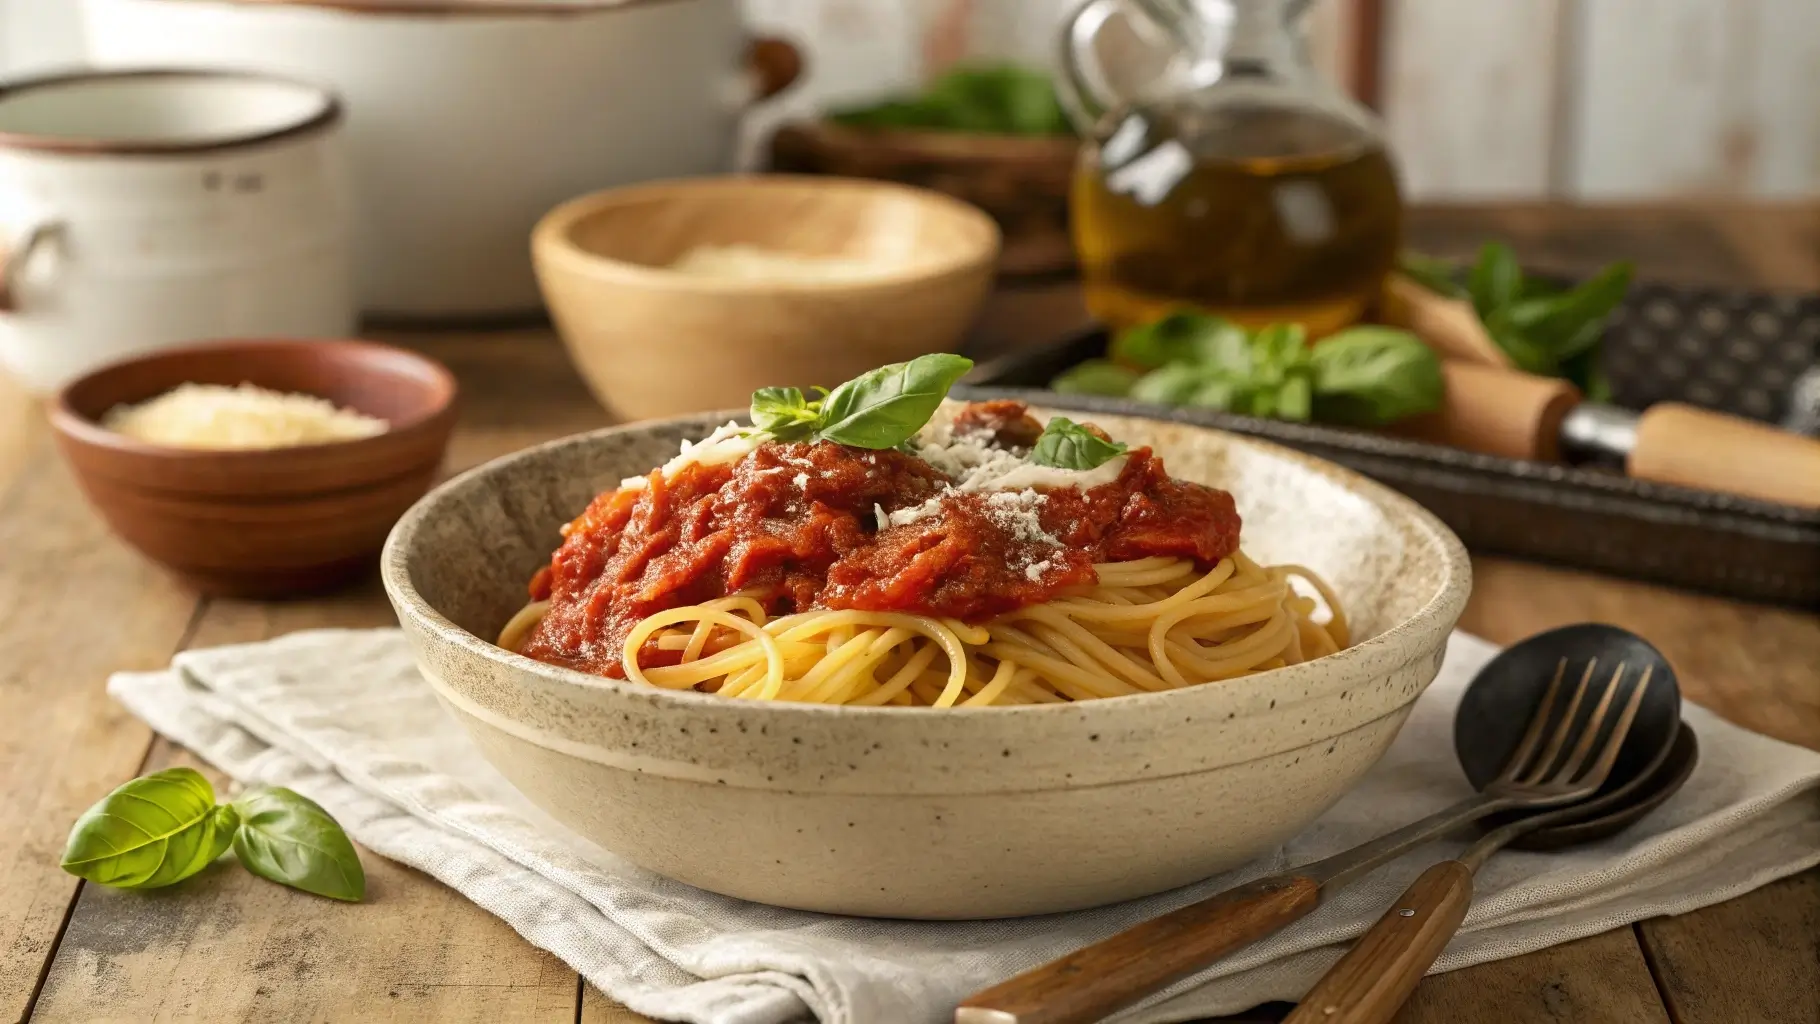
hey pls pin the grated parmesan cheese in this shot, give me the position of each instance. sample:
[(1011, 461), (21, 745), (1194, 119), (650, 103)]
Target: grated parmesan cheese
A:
[(245, 418), (751, 263), (728, 443), (975, 465)]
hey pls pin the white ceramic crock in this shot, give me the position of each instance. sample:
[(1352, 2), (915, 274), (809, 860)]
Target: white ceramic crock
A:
[(468, 121), (148, 208)]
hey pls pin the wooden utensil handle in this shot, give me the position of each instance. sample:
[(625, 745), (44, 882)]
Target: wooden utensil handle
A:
[(1498, 412), (1375, 977), (1090, 983), (1679, 444)]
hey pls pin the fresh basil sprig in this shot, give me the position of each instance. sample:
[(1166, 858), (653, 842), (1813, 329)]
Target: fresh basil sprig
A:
[(164, 827), (1066, 444), (879, 409), (1544, 328), (1360, 376)]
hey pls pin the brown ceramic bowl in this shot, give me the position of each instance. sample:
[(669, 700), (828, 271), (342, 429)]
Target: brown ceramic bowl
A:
[(271, 522)]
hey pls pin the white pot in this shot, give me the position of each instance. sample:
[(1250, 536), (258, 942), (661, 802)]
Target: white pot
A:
[(467, 122), (144, 209)]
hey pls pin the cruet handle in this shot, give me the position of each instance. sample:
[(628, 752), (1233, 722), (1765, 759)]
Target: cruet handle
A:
[(1085, 89)]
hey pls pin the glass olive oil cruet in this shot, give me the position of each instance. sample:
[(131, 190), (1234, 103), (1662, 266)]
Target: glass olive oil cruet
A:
[(1233, 179)]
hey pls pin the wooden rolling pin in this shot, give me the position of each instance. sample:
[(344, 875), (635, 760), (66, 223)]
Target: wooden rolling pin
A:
[(1521, 416)]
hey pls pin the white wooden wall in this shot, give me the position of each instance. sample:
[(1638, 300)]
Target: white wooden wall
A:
[(1484, 99)]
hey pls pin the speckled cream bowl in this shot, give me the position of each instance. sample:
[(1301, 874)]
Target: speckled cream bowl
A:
[(913, 812)]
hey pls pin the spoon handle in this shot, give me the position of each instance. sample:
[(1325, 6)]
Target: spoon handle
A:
[(1090, 983), (1375, 977)]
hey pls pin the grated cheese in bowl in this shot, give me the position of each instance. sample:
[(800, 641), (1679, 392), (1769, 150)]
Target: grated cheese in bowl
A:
[(247, 417), (751, 263)]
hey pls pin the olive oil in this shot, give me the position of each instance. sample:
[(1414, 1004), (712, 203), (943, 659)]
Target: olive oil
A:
[(1263, 214)]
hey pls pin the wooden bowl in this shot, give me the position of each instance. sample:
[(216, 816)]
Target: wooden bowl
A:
[(1022, 181), (653, 342), (271, 522)]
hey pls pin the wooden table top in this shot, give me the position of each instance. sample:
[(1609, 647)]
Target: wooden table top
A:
[(232, 947)]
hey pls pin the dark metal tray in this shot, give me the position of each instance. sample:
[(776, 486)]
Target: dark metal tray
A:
[(1722, 349)]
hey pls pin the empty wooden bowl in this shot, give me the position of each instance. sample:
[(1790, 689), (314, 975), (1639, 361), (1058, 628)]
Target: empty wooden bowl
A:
[(653, 341), (269, 522)]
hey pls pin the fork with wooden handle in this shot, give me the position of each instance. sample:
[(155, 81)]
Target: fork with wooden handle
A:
[(1097, 980), (1376, 976)]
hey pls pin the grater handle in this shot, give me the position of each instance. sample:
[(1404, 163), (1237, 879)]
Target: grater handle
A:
[(1679, 444)]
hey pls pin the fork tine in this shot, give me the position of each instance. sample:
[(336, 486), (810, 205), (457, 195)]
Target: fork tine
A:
[(1533, 735), (1590, 734), (1608, 755), (1540, 769)]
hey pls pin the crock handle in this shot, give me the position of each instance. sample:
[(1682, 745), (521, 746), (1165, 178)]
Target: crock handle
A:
[(773, 65), (14, 256)]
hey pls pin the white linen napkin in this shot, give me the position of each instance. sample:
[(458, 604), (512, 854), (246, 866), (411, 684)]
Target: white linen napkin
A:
[(344, 717)]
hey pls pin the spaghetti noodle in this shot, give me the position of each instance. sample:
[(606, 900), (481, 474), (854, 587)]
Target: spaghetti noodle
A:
[(1024, 614)]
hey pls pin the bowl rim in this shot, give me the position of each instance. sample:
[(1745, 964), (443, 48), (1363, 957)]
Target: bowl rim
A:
[(1446, 603), (551, 238), (66, 420)]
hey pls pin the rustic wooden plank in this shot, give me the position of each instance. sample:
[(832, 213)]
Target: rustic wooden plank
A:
[(74, 605), (1755, 958), (226, 945), (597, 1008), (1469, 96), (22, 430), (1751, 664), (1687, 243), (1602, 978)]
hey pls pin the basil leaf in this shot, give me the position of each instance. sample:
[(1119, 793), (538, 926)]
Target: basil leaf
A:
[(1222, 393), (1096, 377), (1587, 375), (882, 408), (1066, 444), (1496, 279), (150, 832), (1596, 384), (1185, 337), (1174, 384), (1374, 375), (1573, 321), (784, 413), (288, 838), (1295, 399), (1279, 348), (1529, 356), (1435, 275)]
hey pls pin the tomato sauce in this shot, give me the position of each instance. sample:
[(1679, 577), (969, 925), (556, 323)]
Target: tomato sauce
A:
[(811, 525)]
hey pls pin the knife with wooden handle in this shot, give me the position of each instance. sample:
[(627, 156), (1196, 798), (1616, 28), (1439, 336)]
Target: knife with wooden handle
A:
[(1522, 416)]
